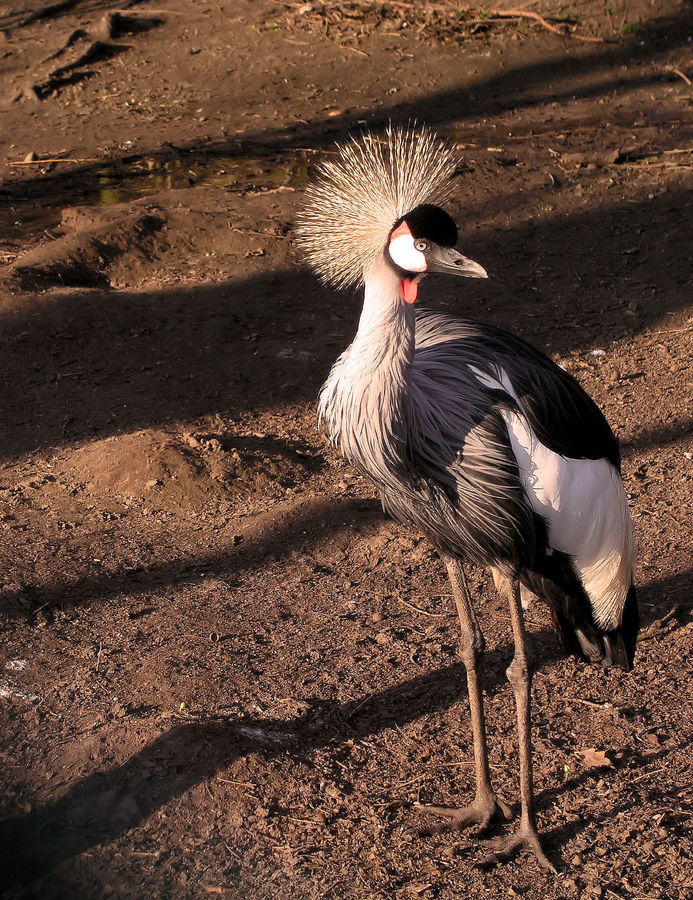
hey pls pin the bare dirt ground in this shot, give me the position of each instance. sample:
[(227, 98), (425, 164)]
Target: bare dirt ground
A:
[(222, 670)]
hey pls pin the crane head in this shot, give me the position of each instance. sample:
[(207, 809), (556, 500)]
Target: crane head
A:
[(365, 191), (424, 241)]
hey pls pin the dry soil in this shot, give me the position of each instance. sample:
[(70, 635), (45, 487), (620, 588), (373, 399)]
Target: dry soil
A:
[(222, 670)]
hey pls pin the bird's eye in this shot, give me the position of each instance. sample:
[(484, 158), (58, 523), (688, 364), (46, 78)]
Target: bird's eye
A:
[(421, 245)]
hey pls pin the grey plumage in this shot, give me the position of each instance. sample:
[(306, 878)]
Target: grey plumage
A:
[(469, 434), (443, 466)]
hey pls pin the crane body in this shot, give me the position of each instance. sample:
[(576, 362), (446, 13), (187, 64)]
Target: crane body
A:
[(469, 434)]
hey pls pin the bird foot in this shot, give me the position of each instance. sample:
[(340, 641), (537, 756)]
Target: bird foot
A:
[(481, 812), (525, 838)]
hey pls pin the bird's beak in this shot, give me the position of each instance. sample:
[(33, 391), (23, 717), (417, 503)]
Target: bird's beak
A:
[(448, 260)]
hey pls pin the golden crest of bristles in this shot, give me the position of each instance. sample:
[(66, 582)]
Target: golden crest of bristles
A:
[(359, 196)]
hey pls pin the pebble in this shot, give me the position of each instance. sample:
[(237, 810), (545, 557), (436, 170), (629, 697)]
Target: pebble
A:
[(16, 665)]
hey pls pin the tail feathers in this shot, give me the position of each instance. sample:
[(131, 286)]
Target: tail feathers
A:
[(580, 640), (615, 651), (626, 635), (617, 646), (573, 620)]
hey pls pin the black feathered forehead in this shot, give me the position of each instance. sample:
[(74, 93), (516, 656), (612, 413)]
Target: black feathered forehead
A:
[(431, 223)]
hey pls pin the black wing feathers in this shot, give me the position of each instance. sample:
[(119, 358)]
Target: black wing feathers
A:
[(561, 414)]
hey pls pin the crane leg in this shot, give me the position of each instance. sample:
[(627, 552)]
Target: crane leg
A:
[(485, 807), (520, 677)]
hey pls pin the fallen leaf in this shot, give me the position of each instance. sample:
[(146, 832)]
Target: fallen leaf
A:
[(595, 759), (417, 888)]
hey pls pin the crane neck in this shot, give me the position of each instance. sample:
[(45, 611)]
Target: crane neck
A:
[(365, 401), (386, 327)]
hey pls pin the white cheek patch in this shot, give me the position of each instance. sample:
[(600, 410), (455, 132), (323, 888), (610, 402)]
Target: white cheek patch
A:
[(405, 255)]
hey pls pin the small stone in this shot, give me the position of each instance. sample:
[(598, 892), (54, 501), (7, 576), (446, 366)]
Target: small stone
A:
[(235, 819)]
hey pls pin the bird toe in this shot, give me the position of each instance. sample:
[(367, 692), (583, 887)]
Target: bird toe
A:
[(523, 839), (480, 813)]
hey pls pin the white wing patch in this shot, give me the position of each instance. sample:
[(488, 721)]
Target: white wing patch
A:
[(585, 509)]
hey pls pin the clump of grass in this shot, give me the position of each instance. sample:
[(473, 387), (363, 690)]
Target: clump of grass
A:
[(624, 28)]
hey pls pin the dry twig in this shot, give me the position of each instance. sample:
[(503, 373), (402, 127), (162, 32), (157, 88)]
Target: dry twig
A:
[(484, 15), (41, 162), (590, 703), (528, 14), (423, 611), (679, 73), (656, 626)]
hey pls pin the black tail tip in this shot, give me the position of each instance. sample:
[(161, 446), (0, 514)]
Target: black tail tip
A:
[(615, 651), (619, 644)]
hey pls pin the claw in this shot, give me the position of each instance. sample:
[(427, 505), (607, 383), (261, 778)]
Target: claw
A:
[(526, 838), (480, 812)]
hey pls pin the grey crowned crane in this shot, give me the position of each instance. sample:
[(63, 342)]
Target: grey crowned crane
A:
[(469, 434)]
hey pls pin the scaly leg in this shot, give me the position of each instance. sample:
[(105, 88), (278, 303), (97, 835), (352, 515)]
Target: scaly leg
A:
[(485, 806), (520, 677)]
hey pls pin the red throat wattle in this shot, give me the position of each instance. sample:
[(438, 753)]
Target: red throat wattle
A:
[(408, 289)]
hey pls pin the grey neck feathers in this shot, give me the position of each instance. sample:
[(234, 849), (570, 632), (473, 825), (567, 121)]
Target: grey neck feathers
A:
[(365, 400)]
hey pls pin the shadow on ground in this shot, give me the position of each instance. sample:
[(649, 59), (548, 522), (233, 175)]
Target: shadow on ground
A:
[(103, 806), (177, 354)]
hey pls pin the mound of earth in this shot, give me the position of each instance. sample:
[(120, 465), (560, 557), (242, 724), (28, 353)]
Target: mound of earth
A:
[(188, 473)]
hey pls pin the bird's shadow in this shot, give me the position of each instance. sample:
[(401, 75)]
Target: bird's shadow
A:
[(104, 805)]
